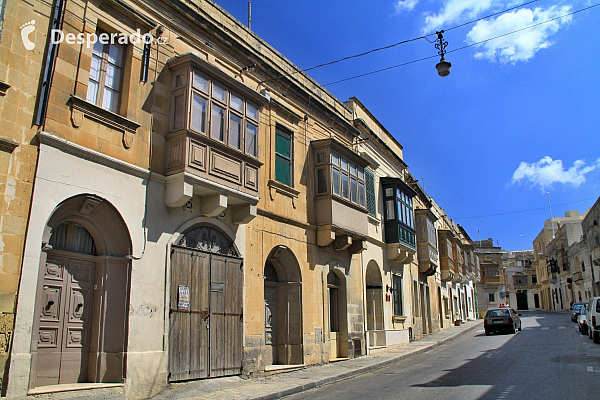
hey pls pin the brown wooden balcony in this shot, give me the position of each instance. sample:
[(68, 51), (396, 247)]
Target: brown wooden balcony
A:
[(212, 144), (340, 196)]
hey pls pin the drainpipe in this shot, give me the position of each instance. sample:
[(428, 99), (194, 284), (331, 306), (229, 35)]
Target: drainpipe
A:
[(41, 105)]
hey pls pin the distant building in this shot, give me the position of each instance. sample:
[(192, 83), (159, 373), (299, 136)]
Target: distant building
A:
[(491, 291), (520, 278)]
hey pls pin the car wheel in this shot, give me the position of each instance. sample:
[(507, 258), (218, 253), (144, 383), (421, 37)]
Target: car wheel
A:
[(514, 329), (596, 336)]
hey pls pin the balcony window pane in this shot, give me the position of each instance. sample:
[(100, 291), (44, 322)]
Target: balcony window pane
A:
[(251, 111), (217, 123), (219, 93), (251, 139), (92, 93), (321, 181), (389, 192), (200, 82), (236, 103), (353, 189), (235, 131), (335, 185), (389, 208), (352, 169), (345, 188), (110, 99), (361, 194), (199, 114), (361, 174), (344, 164), (335, 159)]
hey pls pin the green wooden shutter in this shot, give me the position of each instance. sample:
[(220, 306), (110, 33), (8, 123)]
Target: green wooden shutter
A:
[(370, 187), (283, 157)]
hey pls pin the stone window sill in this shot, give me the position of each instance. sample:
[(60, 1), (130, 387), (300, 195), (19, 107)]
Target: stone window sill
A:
[(278, 187), (99, 114)]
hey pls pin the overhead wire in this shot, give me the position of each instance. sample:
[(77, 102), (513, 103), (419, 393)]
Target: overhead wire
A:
[(460, 48), (523, 211), (396, 44)]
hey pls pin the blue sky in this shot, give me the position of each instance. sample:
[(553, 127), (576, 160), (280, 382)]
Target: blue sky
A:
[(517, 117)]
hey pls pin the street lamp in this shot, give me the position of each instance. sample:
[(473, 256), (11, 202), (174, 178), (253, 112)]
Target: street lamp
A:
[(443, 67)]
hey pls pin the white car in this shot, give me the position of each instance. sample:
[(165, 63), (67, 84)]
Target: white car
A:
[(581, 321), (593, 319)]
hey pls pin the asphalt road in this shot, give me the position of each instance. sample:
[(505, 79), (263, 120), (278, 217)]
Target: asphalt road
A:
[(548, 359)]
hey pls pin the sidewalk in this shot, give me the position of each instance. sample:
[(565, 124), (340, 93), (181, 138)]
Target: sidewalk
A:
[(284, 384)]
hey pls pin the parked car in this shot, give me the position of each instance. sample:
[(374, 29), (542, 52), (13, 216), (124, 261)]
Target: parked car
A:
[(576, 310), (593, 319), (581, 320), (501, 319)]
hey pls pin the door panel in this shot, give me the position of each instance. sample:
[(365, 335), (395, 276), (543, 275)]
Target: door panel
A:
[(64, 321), (206, 336), (188, 337)]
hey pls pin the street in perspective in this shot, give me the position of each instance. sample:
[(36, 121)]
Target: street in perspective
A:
[(225, 199)]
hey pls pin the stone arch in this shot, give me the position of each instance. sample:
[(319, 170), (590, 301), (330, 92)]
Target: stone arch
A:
[(374, 298), (283, 308), (82, 297)]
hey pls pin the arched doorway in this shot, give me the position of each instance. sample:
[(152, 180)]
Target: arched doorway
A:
[(338, 321), (205, 323), (374, 293), (283, 308), (80, 321)]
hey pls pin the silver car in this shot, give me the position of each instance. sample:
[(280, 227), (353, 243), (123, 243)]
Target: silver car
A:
[(501, 320)]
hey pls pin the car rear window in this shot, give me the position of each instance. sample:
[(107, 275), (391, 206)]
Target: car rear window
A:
[(497, 313), (598, 305)]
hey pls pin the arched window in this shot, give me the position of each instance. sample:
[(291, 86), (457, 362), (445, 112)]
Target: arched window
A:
[(70, 236), (208, 238)]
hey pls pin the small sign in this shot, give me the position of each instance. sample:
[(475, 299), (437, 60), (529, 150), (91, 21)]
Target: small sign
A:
[(184, 297), (487, 295), (502, 295)]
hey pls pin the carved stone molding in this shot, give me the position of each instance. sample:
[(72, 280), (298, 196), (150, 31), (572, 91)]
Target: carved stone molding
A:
[(81, 108), (8, 145)]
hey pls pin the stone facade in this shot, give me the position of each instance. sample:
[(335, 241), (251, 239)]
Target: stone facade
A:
[(210, 182)]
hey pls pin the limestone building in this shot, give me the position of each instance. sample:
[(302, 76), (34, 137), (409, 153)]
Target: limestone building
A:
[(491, 291), (201, 209), (520, 280)]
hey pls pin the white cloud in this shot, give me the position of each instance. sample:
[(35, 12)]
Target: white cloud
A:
[(405, 5), (520, 46), (454, 11), (546, 172)]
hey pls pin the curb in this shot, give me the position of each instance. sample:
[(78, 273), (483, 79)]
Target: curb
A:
[(359, 371)]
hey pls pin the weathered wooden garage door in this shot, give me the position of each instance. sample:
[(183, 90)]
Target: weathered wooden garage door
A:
[(205, 315)]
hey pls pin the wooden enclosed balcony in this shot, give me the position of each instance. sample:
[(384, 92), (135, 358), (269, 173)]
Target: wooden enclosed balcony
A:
[(212, 147), (427, 242), (340, 196)]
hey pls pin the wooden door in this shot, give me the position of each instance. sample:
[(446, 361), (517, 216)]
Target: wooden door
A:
[(205, 337), (65, 318), (188, 335), (225, 316)]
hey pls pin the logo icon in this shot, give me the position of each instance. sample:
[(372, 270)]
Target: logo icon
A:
[(26, 30)]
